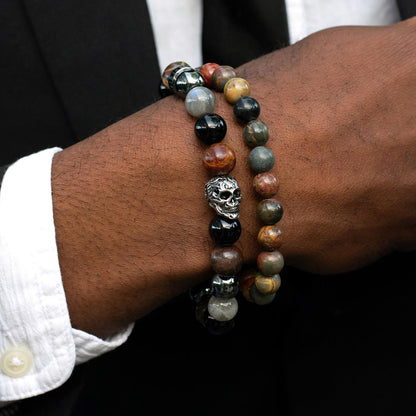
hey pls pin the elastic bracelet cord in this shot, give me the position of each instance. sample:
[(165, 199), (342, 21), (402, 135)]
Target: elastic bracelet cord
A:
[(216, 303)]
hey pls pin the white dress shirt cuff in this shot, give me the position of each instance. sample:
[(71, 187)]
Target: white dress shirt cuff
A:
[(38, 347)]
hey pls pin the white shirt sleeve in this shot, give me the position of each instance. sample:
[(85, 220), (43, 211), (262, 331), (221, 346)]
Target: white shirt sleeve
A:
[(38, 346)]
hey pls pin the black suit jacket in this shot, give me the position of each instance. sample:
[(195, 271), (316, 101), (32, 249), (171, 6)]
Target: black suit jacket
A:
[(328, 345)]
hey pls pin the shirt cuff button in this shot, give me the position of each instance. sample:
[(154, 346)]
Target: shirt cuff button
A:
[(16, 362)]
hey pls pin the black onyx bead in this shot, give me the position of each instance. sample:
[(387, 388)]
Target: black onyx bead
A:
[(246, 109), (223, 231), (210, 128)]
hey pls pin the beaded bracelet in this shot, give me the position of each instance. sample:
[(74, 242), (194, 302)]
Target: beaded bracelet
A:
[(216, 303)]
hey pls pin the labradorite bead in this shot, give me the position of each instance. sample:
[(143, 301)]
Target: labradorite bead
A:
[(270, 237), (261, 298), (246, 109), (219, 159), (235, 88), (174, 66), (206, 71), (213, 326), (221, 75), (267, 284), (210, 128), (200, 101), (261, 159), (269, 211), (256, 133), (224, 287), (222, 309), (224, 231), (270, 262), (265, 184), (226, 261)]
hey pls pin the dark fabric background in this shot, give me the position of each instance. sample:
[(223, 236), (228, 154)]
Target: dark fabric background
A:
[(328, 345)]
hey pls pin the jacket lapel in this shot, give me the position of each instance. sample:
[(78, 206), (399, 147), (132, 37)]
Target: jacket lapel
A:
[(100, 55), (407, 8)]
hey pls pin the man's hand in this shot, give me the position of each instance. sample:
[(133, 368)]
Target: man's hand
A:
[(131, 219)]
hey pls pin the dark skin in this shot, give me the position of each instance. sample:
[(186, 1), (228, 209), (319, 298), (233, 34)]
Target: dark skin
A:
[(131, 220)]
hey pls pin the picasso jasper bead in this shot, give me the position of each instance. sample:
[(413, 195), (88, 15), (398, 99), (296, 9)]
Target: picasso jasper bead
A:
[(235, 88), (224, 231), (261, 159), (270, 262), (266, 184), (222, 309), (200, 101), (261, 298), (246, 109), (224, 287), (221, 75), (270, 237), (256, 133), (267, 284), (210, 128), (226, 261), (219, 159), (269, 211), (206, 71)]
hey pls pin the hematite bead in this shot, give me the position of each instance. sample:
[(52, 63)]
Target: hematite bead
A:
[(206, 71), (270, 262), (224, 231), (261, 298), (210, 128), (267, 284), (261, 159), (221, 75), (269, 211), (222, 309), (256, 133), (235, 88), (226, 261), (219, 159), (224, 287), (246, 109), (174, 66), (200, 101), (265, 184), (270, 237), (182, 81)]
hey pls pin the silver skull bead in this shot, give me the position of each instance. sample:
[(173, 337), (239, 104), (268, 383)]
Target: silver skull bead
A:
[(224, 195)]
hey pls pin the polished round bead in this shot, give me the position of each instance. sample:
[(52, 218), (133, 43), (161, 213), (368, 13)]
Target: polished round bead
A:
[(200, 101), (164, 91), (256, 133), (270, 237), (246, 281), (206, 71), (261, 159), (269, 211), (200, 292), (221, 75), (224, 231), (266, 184), (235, 88), (171, 68), (219, 159), (222, 309), (270, 262), (226, 261), (210, 128), (261, 298), (224, 287), (267, 284), (213, 326), (246, 109)]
